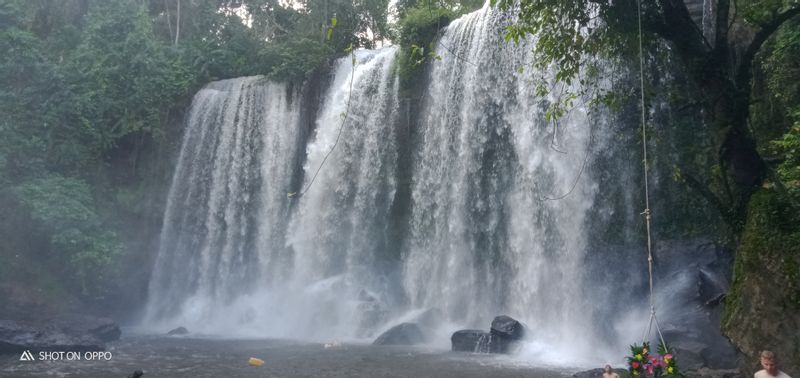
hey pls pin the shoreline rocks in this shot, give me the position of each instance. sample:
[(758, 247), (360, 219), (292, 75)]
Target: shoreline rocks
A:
[(85, 334)]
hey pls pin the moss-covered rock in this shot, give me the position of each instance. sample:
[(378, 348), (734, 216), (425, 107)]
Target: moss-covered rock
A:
[(763, 306)]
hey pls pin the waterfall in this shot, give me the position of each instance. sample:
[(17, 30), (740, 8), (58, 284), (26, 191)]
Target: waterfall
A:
[(484, 237), (229, 256), (235, 157), (338, 233), (495, 220)]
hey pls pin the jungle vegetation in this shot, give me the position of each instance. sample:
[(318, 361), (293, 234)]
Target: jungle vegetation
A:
[(91, 92)]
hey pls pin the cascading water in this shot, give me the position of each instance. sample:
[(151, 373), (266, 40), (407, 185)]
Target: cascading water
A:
[(484, 229), (229, 256), (239, 137), (484, 237), (338, 233)]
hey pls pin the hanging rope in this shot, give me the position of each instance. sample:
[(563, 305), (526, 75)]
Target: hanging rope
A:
[(646, 212), (341, 128)]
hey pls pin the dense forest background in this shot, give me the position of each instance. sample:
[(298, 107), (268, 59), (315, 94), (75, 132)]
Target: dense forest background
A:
[(92, 95)]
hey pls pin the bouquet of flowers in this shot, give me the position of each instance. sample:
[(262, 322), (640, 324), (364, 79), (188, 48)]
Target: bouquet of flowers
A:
[(641, 363)]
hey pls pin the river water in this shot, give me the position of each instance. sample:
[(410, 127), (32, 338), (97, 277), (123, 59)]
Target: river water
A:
[(159, 356)]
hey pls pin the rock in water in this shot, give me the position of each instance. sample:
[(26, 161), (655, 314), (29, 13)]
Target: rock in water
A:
[(178, 331), (471, 340), (508, 328), (16, 337), (401, 334)]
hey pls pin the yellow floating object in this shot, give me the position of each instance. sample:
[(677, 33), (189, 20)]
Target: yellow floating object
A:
[(255, 361)]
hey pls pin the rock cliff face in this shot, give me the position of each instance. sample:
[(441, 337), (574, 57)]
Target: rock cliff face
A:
[(763, 306)]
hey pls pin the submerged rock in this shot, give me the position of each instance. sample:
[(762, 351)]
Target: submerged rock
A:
[(178, 331), (16, 337), (401, 334)]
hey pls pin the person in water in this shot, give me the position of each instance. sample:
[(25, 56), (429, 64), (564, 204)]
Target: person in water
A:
[(608, 373), (770, 364)]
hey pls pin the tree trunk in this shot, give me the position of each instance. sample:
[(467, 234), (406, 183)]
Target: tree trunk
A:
[(725, 83), (741, 166)]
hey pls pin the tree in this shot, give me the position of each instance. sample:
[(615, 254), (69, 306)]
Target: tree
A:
[(719, 63)]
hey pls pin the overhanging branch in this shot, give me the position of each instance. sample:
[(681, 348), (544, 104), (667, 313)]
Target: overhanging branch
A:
[(745, 68)]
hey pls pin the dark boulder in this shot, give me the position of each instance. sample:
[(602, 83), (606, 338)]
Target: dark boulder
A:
[(16, 337), (401, 334), (506, 327), (178, 331), (501, 338), (471, 340), (701, 350)]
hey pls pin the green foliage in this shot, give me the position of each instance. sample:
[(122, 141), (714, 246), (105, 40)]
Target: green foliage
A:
[(415, 34), (761, 12), (37, 105), (571, 38), (415, 31), (420, 25), (297, 57), (767, 265), (780, 65), (403, 7), (87, 86), (775, 117), (63, 208), (125, 78), (789, 169)]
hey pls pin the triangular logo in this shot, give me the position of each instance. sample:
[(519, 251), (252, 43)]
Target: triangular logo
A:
[(27, 356)]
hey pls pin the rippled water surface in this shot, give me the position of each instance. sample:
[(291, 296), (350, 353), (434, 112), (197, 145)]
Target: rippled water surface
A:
[(195, 357)]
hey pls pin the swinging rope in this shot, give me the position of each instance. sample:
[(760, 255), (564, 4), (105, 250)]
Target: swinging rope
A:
[(338, 135), (646, 212)]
